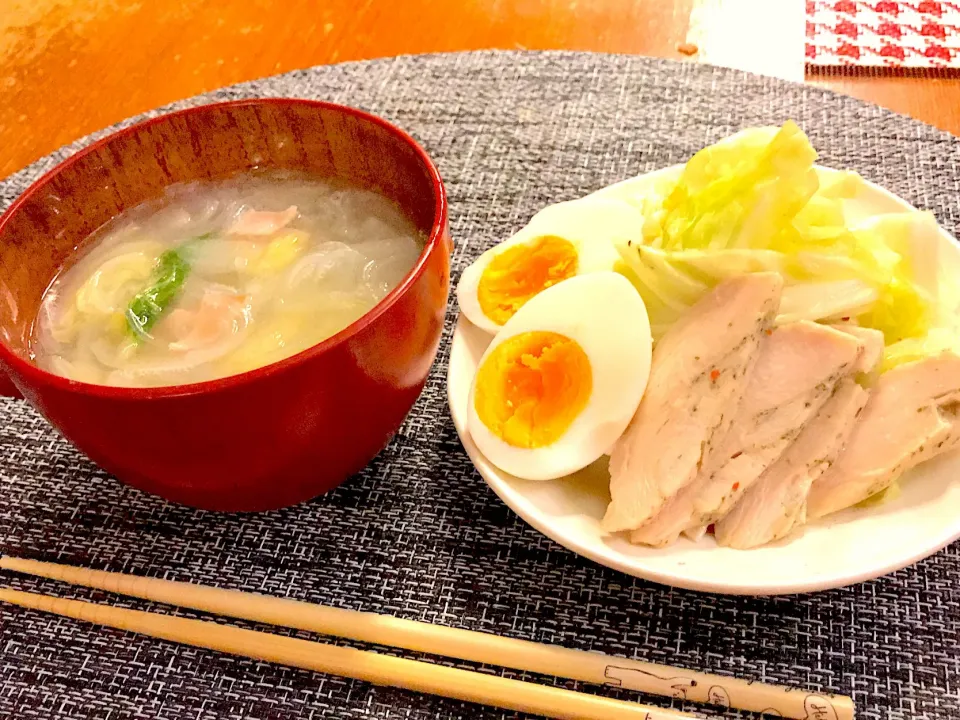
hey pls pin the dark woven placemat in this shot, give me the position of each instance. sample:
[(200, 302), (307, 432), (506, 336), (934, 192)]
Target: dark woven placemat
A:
[(418, 534)]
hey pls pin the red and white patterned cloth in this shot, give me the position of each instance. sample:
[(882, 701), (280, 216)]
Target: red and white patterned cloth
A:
[(883, 33)]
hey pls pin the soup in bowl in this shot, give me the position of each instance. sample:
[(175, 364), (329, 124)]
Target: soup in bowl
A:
[(232, 306), (216, 278)]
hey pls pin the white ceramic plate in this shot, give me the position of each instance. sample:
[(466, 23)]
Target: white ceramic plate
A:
[(846, 548)]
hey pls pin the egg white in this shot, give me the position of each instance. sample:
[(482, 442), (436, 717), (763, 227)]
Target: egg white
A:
[(603, 313), (591, 224)]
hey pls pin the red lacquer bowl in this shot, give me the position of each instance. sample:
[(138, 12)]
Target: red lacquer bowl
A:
[(270, 437)]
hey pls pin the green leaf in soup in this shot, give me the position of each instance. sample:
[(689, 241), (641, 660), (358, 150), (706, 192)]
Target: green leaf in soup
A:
[(172, 269), (149, 304), (186, 248)]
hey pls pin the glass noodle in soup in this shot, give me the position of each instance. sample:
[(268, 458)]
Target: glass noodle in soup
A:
[(218, 278)]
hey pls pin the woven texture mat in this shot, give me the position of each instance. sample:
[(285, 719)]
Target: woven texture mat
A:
[(418, 534)]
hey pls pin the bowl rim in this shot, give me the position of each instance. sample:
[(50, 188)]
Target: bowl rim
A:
[(36, 375)]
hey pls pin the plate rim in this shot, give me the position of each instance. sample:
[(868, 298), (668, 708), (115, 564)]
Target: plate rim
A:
[(530, 514)]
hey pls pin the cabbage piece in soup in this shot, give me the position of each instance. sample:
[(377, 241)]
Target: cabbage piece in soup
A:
[(218, 278)]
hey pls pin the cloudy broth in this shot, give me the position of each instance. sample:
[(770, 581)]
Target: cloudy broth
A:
[(218, 278)]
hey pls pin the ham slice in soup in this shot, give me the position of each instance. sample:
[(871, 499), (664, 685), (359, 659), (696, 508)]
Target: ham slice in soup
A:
[(262, 222)]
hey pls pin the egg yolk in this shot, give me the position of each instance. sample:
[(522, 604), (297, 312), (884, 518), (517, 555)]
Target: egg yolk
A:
[(531, 388), (519, 272)]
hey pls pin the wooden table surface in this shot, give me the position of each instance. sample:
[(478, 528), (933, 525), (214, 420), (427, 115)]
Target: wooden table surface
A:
[(67, 69)]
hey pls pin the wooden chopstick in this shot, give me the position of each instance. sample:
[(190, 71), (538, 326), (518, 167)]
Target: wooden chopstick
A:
[(463, 644), (348, 662)]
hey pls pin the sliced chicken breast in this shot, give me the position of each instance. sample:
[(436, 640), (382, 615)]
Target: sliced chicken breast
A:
[(872, 342), (871, 352), (698, 375), (776, 503), (913, 415), (798, 366)]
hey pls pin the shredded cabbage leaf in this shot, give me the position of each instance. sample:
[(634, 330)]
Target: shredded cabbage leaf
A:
[(755, 202)]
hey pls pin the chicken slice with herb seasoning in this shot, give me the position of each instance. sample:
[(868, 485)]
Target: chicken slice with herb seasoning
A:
[(913, 415), (872, 342), (698, 375), (776, 503), (798, 366)]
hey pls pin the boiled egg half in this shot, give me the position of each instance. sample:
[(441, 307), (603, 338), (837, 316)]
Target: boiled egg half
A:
[(560, 242), (560, 382)]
